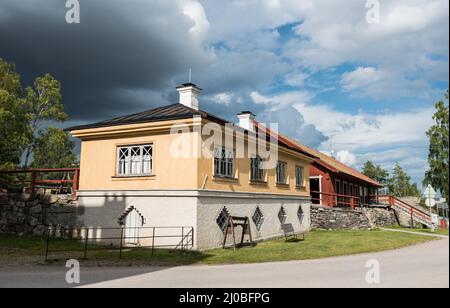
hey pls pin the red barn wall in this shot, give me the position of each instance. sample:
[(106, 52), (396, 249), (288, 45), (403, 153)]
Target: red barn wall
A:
[(328, 184)]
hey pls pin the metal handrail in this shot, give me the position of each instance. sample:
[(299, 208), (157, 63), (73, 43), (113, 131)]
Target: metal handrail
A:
[(187, 239)]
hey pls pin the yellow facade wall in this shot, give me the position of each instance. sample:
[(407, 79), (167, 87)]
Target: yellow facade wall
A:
[(241, 181), (98, 163)]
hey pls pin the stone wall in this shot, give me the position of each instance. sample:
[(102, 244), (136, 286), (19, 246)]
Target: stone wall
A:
[(380, 216), (348, 219), (20, 214)]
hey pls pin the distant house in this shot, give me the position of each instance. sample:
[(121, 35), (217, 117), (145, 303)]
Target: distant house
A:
[(132, 174)]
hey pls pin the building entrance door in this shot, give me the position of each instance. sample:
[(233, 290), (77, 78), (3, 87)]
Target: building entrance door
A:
[(133, 222), (315, 189)]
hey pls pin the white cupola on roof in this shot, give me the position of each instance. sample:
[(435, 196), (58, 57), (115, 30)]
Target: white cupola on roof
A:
[(189, 93), (246, 120)]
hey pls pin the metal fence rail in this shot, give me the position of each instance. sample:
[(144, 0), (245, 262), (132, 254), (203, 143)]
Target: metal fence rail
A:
[(176, 238)]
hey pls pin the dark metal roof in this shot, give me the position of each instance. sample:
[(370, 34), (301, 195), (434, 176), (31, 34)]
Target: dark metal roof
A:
[(165, 113)]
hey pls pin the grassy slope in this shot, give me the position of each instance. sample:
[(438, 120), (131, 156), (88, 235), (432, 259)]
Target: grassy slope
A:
[(439, 232), (318, 244)]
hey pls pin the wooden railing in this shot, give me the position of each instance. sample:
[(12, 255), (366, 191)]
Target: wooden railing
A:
[(416, 214), (336, 200), (33, 179)]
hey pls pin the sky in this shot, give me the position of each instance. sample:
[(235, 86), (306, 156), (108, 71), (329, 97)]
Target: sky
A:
[(330, 78)]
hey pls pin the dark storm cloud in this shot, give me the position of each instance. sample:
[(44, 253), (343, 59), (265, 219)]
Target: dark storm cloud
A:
[(118, 49), (128, 56)]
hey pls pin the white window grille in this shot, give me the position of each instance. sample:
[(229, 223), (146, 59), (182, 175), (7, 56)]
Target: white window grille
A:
[(258, 218), (135, 160), (281, 172), (300, 214), (282, 216), (299, 179), (223, 162), (257, 169), (222, 219)]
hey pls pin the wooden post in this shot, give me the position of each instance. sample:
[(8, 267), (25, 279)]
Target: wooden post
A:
[(352, 203), (76, 178), (391, 201), (234, 235), (244, 230), (32, 182), (249, 232), (225, 234)]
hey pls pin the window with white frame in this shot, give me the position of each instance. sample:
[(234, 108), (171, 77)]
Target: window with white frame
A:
[(257, 169), (299, 178), (281, 172), (223, 162), (135, 160)]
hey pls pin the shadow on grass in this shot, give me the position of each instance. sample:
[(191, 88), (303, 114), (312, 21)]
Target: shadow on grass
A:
[(294, 240), (240, 246), (33, 249), (109, 256)]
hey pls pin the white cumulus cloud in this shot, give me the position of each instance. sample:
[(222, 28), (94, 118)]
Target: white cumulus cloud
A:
[(361, 77)]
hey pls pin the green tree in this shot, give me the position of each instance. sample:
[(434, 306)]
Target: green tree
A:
[(14, 118), (438, 134), (44, 103), (22, 113), (54, 149), (375, 172), (399, 184)]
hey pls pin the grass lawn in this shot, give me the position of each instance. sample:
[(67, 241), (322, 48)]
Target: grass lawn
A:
[(318, 244), (424, 230)]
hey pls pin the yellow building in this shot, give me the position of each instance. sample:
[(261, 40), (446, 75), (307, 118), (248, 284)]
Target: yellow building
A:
[(179, 166)]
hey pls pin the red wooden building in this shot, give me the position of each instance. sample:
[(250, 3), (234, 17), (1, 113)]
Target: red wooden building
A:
[(329, 177), (332, 183)]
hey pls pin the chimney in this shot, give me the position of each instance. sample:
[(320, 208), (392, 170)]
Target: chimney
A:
[(246, 119), (189, 95)]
